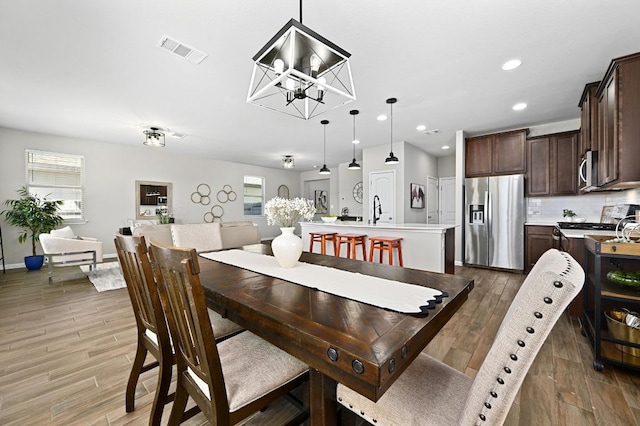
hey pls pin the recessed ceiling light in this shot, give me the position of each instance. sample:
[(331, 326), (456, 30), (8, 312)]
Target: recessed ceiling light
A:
[(355, 141), (421, 127), (519, 107), (511, 65), (382, 117), (445, 147)]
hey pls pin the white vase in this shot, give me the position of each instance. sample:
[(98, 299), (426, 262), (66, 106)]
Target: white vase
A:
[(287, 248)]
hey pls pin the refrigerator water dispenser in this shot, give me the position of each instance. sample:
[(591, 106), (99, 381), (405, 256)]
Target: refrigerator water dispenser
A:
[(476, 214)]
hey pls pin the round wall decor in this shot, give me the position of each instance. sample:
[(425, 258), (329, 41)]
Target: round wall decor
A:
[(357, 192), (283, 191)]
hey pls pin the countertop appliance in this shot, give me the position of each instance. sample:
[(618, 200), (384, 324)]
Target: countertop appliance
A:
[(494, 221), (595, 226)]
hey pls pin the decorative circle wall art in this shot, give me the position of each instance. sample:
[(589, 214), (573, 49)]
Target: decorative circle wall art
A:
[(201, 195)]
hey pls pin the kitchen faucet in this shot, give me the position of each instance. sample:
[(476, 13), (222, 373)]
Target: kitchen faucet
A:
[(376, 218)]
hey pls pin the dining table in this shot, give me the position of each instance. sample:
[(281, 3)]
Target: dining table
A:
[(360, 345)]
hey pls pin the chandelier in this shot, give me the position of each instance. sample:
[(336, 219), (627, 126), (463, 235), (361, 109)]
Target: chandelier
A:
[(288, 161), (300, 73), (153, 137)]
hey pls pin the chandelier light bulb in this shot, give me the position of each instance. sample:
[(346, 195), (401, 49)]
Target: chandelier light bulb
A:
[(278, 66), (315, 65)]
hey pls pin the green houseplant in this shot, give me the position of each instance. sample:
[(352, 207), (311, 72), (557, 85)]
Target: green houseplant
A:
[(35, 216)]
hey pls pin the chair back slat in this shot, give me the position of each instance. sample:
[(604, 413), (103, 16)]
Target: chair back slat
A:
[(551, 285), (184, 302)]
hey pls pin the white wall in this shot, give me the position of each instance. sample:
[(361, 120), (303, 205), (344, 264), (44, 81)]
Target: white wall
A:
[(373, 161), (111, 172), (417, 166), (347, 180), (447, 166)]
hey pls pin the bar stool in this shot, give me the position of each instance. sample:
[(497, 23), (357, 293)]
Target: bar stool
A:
[(352, 240), (386, 244), (322, 238)]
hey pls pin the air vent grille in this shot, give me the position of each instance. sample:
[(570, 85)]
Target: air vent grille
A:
[(186, 52)]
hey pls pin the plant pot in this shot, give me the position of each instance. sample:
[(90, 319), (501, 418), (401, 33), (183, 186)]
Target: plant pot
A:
[(287, 248), (34, 263)]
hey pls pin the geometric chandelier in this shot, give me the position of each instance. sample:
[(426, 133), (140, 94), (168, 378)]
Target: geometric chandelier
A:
[(300, 73)]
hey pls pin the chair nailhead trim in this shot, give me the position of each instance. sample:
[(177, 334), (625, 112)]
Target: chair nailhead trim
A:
[(530, 330), (340, 399), (514, 357), (558, 284), (521, 343), (486, 404), (493, 394), (361, 412), (500, 380), (537, 315), (507, 370), (375, 420), (350, 405), (548, 300), (482, 417)]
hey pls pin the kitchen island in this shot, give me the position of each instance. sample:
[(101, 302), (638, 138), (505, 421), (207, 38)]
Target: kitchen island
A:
[(429, 247)]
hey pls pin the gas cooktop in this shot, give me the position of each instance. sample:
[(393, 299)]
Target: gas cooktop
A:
[(587, 225)]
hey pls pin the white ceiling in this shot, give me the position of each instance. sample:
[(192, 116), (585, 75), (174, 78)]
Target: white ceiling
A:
[(91, 70)]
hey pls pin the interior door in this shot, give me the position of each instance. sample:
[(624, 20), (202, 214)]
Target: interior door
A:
[(432, 200), (383, 184), (447, 200)]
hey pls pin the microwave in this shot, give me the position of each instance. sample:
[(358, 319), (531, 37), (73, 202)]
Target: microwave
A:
[(588, 172)]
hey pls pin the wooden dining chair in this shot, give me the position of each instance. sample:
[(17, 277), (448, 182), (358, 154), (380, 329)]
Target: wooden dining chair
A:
[(228, 380), (153, 332), (430, 392)]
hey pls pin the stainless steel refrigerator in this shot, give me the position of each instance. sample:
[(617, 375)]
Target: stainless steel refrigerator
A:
[(494, 221)]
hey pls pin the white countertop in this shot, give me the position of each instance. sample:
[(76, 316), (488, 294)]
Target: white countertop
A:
[(580, 233), (434, 227)]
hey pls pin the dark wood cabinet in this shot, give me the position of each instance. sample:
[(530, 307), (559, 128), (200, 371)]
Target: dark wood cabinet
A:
[(552, 164), (539, 239), (588, 119), (496, 154), (618, 125)]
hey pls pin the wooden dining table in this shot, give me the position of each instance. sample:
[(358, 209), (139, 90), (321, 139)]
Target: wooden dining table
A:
[(362, 346)]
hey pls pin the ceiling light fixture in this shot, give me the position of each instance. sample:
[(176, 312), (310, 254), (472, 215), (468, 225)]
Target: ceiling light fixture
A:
[(445, 146), (519, 107), (288, 162), (324, 170), (153, 137), (354, 164), (511, 65), (300, 73), (421, 128), (391, 159), (381, 117)]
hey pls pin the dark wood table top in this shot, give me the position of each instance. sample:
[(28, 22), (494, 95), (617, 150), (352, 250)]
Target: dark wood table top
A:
[(373, 345)]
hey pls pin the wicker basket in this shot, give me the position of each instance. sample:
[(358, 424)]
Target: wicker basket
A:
[(621, 331)]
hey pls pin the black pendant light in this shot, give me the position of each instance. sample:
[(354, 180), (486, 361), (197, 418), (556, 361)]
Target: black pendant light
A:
[(354, 164), (391, 159), (324, 170)]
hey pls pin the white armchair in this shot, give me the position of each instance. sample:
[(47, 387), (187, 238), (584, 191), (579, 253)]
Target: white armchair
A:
[(62, 247)]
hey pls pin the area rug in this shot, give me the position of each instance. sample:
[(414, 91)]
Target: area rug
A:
[(107, 276)]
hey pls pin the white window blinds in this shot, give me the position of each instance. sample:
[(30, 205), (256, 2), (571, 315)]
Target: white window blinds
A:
[(253, 195), (58, 177)]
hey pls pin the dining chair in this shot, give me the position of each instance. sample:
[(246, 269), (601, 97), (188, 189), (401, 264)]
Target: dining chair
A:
[(430, 392), (228, 380), (153, 332)]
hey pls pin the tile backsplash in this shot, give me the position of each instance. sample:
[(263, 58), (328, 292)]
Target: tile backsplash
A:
[(589, 206)]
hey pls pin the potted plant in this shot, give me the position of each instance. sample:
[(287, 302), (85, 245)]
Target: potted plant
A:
[(35, 216)]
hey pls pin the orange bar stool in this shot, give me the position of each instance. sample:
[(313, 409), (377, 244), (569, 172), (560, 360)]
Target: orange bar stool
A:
[(385, 244), (322, 238), (352, 241)]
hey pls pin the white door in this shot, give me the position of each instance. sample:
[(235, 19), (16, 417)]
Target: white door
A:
[(383, 184), (448, 201), (432, 200)]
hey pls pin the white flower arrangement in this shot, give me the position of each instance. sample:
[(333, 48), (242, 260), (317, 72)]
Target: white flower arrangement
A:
[(286, 213)]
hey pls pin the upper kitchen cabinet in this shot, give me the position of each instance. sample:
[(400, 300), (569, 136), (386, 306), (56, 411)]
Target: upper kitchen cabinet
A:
[(618, 124), (588, 119), (552, 164), (496, 154)]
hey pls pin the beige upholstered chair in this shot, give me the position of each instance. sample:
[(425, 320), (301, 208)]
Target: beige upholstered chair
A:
[(432, 393), (200, 236), (228, 380), (62, 247), (153, 334)]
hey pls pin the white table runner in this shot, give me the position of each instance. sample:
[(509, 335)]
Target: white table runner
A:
[(387, 294)]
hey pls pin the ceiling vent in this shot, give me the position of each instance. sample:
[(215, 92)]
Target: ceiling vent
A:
[(174, 46)]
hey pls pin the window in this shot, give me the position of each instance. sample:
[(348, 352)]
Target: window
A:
[(253, 196), (58, 177)]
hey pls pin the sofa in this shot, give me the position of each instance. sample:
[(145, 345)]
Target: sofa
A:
[(62, 247), (201, 236)]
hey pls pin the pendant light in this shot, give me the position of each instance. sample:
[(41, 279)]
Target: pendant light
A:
[(391, 159), (324, 170), (354, 165)]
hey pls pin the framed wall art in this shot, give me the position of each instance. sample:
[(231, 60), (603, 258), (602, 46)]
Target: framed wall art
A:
[(417, 196), (322, 201)]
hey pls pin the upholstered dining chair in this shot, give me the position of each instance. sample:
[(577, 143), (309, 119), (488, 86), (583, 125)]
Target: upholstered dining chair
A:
[(228, 380), (153, 332), (431, 393)]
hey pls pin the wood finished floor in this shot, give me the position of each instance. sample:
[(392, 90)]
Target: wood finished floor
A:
[(66, 352)]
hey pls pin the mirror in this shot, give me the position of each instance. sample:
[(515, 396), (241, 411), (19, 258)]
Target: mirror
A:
[(153, 199)]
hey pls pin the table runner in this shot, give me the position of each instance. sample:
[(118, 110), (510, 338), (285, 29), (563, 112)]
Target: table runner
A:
[(387, 294)]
